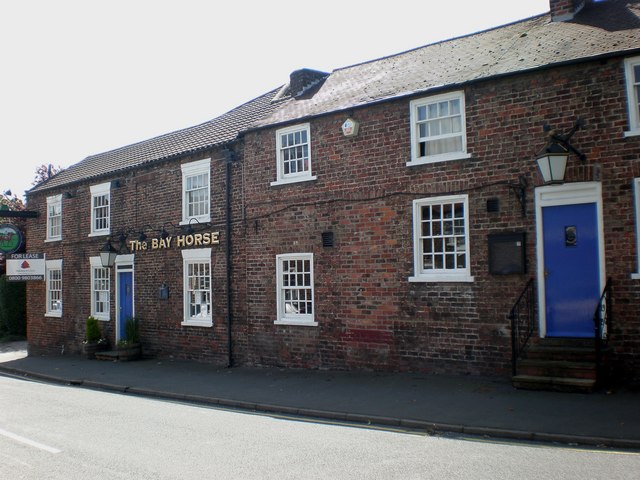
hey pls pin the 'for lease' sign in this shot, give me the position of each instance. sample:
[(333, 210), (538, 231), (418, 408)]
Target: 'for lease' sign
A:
[(25, 266)]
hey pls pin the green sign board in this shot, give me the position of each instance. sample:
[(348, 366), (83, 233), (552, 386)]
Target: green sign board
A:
[(10, 238)]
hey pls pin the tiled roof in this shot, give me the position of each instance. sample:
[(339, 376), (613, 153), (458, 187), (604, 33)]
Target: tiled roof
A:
[(599, 29), (218, 131)]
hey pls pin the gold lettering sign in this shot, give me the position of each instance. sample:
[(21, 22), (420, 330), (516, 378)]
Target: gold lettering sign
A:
[(180, 241)]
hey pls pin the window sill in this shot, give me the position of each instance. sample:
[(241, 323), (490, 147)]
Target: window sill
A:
[(635, 276), (198, 220), (632, 133), (297, 323), (442, 278), (53, 314), (49, 240), (288, 181), (197, 323), (101, 233), (438, 158)]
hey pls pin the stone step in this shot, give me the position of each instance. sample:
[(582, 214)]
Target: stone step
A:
[(557, 368), (561, 353), (119, 355), (566, 342), (558, 384)]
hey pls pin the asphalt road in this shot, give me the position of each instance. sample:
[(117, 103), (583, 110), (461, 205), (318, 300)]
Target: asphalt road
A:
[(60, 432)]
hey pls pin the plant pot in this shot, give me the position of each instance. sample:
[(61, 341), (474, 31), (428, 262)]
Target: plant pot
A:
[(90, 349), (132, 351)]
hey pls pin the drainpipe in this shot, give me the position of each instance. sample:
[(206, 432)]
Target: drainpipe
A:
[(229, 158)]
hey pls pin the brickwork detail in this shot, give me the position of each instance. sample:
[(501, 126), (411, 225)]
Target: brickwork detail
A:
[(370, 317)]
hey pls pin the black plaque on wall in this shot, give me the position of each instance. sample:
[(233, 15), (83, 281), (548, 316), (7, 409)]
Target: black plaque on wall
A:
[(507, 253)]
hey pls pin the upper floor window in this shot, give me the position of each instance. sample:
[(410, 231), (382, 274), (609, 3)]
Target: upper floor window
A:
[(441, 239), (632, 73), (293, 155), (100, 289), (196, 191), (438, 129), (295, 289), (197, 287), (54, 288), (100, 209), (54, 218)]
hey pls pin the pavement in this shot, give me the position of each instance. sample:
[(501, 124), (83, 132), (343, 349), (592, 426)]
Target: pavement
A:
[(437, 404)]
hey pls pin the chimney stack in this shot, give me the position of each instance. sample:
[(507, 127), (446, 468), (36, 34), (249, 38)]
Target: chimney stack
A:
[(564, 10), (301, 80)]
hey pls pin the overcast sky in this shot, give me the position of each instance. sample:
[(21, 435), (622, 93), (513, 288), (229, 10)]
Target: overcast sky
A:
[(81, 77)]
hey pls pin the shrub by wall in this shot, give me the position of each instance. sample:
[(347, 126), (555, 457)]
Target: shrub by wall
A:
[(13, 320)]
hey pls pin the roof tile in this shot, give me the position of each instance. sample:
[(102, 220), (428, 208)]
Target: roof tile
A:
[(599, 29), (218, 131)]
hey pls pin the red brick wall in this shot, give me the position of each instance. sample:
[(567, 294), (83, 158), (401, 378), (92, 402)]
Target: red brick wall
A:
[(147, 200), (369, 315)]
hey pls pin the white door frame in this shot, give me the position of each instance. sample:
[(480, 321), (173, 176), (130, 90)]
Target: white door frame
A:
[(124, 264), (565, 194)]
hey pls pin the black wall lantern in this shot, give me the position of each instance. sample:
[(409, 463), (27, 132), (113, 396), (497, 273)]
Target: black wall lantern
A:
[(552, 162), (108, 255)]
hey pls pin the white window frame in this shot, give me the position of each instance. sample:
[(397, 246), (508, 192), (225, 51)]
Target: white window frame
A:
[(283, 178), (416, 158), (189, 257), (633, 96), (636, 203), (96, 266), (54, 218), (439, 275), (53, 286), (190, 170), (284, 315), (98, 191)]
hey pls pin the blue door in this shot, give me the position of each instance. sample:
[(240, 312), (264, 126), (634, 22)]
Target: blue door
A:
[(125, 301), (571, 269)]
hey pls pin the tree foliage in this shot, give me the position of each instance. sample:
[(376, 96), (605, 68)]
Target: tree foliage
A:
[(8, 200), (44, 172)]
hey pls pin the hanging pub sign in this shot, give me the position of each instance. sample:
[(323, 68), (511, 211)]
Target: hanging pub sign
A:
[(25, 266), (10, 238)]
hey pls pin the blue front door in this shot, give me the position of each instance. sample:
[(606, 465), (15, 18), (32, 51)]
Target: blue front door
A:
[(125, 301), (571, 269)]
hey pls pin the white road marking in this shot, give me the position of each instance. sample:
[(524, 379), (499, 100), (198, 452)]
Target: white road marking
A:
[(31, 443)]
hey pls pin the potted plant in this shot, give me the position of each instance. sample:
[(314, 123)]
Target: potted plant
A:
[(129, 348), (93, 340)]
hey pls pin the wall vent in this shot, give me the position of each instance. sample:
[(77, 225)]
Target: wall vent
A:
[(327, 239)]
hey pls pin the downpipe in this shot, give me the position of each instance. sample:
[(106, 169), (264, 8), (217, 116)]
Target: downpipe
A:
[(229, 159)]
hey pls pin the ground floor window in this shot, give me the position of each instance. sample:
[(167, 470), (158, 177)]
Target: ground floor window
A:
[(54, 288), (295, 301), (197, 287), (100, 290), (441, 239)]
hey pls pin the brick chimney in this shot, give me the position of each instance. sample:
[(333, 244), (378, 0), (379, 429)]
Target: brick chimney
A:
[(303, 79), (564, 10)]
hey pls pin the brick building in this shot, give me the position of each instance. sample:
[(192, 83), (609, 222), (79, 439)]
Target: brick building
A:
[(386, 216)]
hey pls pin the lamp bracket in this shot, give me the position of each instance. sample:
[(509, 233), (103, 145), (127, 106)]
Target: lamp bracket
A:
[(520, 190), (564, 139)]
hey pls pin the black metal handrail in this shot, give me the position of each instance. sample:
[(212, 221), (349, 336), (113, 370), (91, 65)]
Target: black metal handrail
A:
[(522, 318), (602, 322)]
